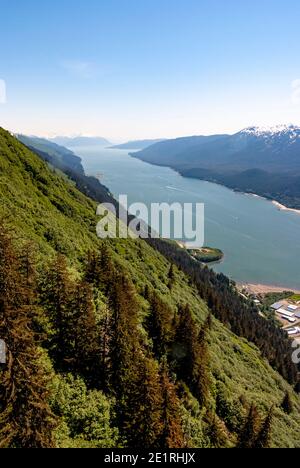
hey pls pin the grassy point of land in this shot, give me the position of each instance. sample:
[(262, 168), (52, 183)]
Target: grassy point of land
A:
[(207, 254)]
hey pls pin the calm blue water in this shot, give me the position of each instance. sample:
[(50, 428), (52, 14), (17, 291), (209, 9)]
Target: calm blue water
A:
[(261, 243)]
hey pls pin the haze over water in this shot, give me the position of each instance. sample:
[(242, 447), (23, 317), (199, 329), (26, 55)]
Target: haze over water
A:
[(261, 244)]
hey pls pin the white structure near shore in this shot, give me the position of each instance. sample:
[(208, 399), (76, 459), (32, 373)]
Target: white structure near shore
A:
[(286, 311)]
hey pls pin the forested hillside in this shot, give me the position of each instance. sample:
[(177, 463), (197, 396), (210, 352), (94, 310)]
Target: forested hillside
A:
[(123, 343), (61, 155)]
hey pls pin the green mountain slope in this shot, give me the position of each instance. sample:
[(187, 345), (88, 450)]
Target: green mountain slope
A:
[(45, 207), (61, 155)]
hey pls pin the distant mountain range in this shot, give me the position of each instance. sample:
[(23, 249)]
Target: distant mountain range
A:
[(80, 141), (57, 155), (136, 144), (259, 160), (65, 161)]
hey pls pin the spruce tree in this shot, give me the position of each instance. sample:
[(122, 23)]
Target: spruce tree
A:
[(99, 268), (191, 354), (201, 375), (215, 432), (28, 269), (124, 334), (263, 439), (297, 387), (148, 410), (250, 430), (123, 342), (160, 325), (25, 417), (171, 277), (57, 297), (27, 256), (87, 359), (93, 268), (143, 406), (209, 322), (287, 404), (147, 293), (185, 346), (172, 433), (107, 268)]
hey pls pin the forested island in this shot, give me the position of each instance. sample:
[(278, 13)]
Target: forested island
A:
[(207, 254)]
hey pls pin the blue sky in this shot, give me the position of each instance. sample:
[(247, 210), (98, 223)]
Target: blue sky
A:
[(148, 68)]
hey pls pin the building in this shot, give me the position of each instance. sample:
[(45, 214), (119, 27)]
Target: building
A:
[(289, 319), (294, 331), (292, 308), (277, 305), (285, 312)]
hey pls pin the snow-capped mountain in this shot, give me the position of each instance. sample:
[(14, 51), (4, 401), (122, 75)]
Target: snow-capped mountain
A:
[(268, 148), (279, 130), (262, 160)]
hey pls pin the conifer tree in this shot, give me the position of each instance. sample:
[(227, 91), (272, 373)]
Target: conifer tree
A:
[(250, 430), (215, 432), (160, 325), (28, 269), (86, 336), (105, 337), (185, 344), (263, 439), (193, 357), (99, 268), (287, 404), (143, 405), (93, 268), (27, 257), (171, 277), (172, 433), (147, 293), (201, 377), (124, 334), (124, 343), (147, 405), (107, 268), (25, 417), (297, 387), (57, 297), (208, 322), (134, 379)]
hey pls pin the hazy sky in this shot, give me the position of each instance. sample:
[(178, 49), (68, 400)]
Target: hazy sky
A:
[(148, 68)]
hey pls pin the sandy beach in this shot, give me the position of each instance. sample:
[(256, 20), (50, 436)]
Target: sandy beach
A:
[(264, 288), (284, 208)]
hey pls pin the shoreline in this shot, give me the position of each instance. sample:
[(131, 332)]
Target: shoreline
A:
[(285, 208), (209, 262), (264, 288), (277, 204)]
